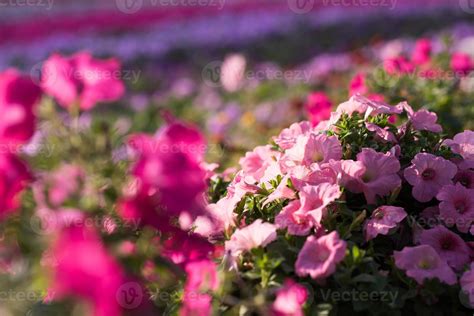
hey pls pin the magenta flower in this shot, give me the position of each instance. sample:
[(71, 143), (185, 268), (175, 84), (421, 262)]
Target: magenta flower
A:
[(297, 221), (318, 107), (467, 283), (398, 65), (258, 234), (18, 97), (421, 53), (13, 180), (374, 174), (357, 85), (447, 244), (182, 247), (319, 256), (201, 278), (422, 262), (465, 177), (457, 206), (289, 299), (315, 199), (83, 268), (462, 144), (81, 80), (382, 220), (461, 63), (174, 154), (428, 174)]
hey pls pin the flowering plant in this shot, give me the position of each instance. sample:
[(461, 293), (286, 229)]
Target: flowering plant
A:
[(367, 209), (363, 214)]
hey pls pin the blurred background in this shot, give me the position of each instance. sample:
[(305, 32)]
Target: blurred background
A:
[(230, 66)]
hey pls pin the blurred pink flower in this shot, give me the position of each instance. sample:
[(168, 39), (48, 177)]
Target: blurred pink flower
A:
[(60, 185), (461, 63), (462, 144), (80, 80), (382, 220), (428, 174), (422, 52), (467, 283), (318, 106), (82, 268), (357, 85), (422, 262), (14, 176), (173, 154), (18, 97), (319, 256), (182, 247), (232, 72), (457, 206), (257, 234), (290, 299), (398, 65), (447, 244), (201, 279)]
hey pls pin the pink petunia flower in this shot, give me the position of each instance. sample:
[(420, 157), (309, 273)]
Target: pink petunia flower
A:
[(358, 85), (233, 72), (82, 80), (457, 206), (422, 52), (318, 107), (422, 262), (462, 144), (428, 174), (319, 256), (447, 244), (382, 220), (465, 177), (314, 148), (18, 97), (297, 221), (422, 120), (289, 299), (13, 180), (255, 163), (374, 174), (80, 260), (383, 134), (257, 234), (173, 154), (461, 63), (467, 284), (288, 136), (398, 65), (315, 199)]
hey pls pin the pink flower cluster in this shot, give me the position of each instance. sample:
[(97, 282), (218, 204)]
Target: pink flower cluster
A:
[(315, 175)]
